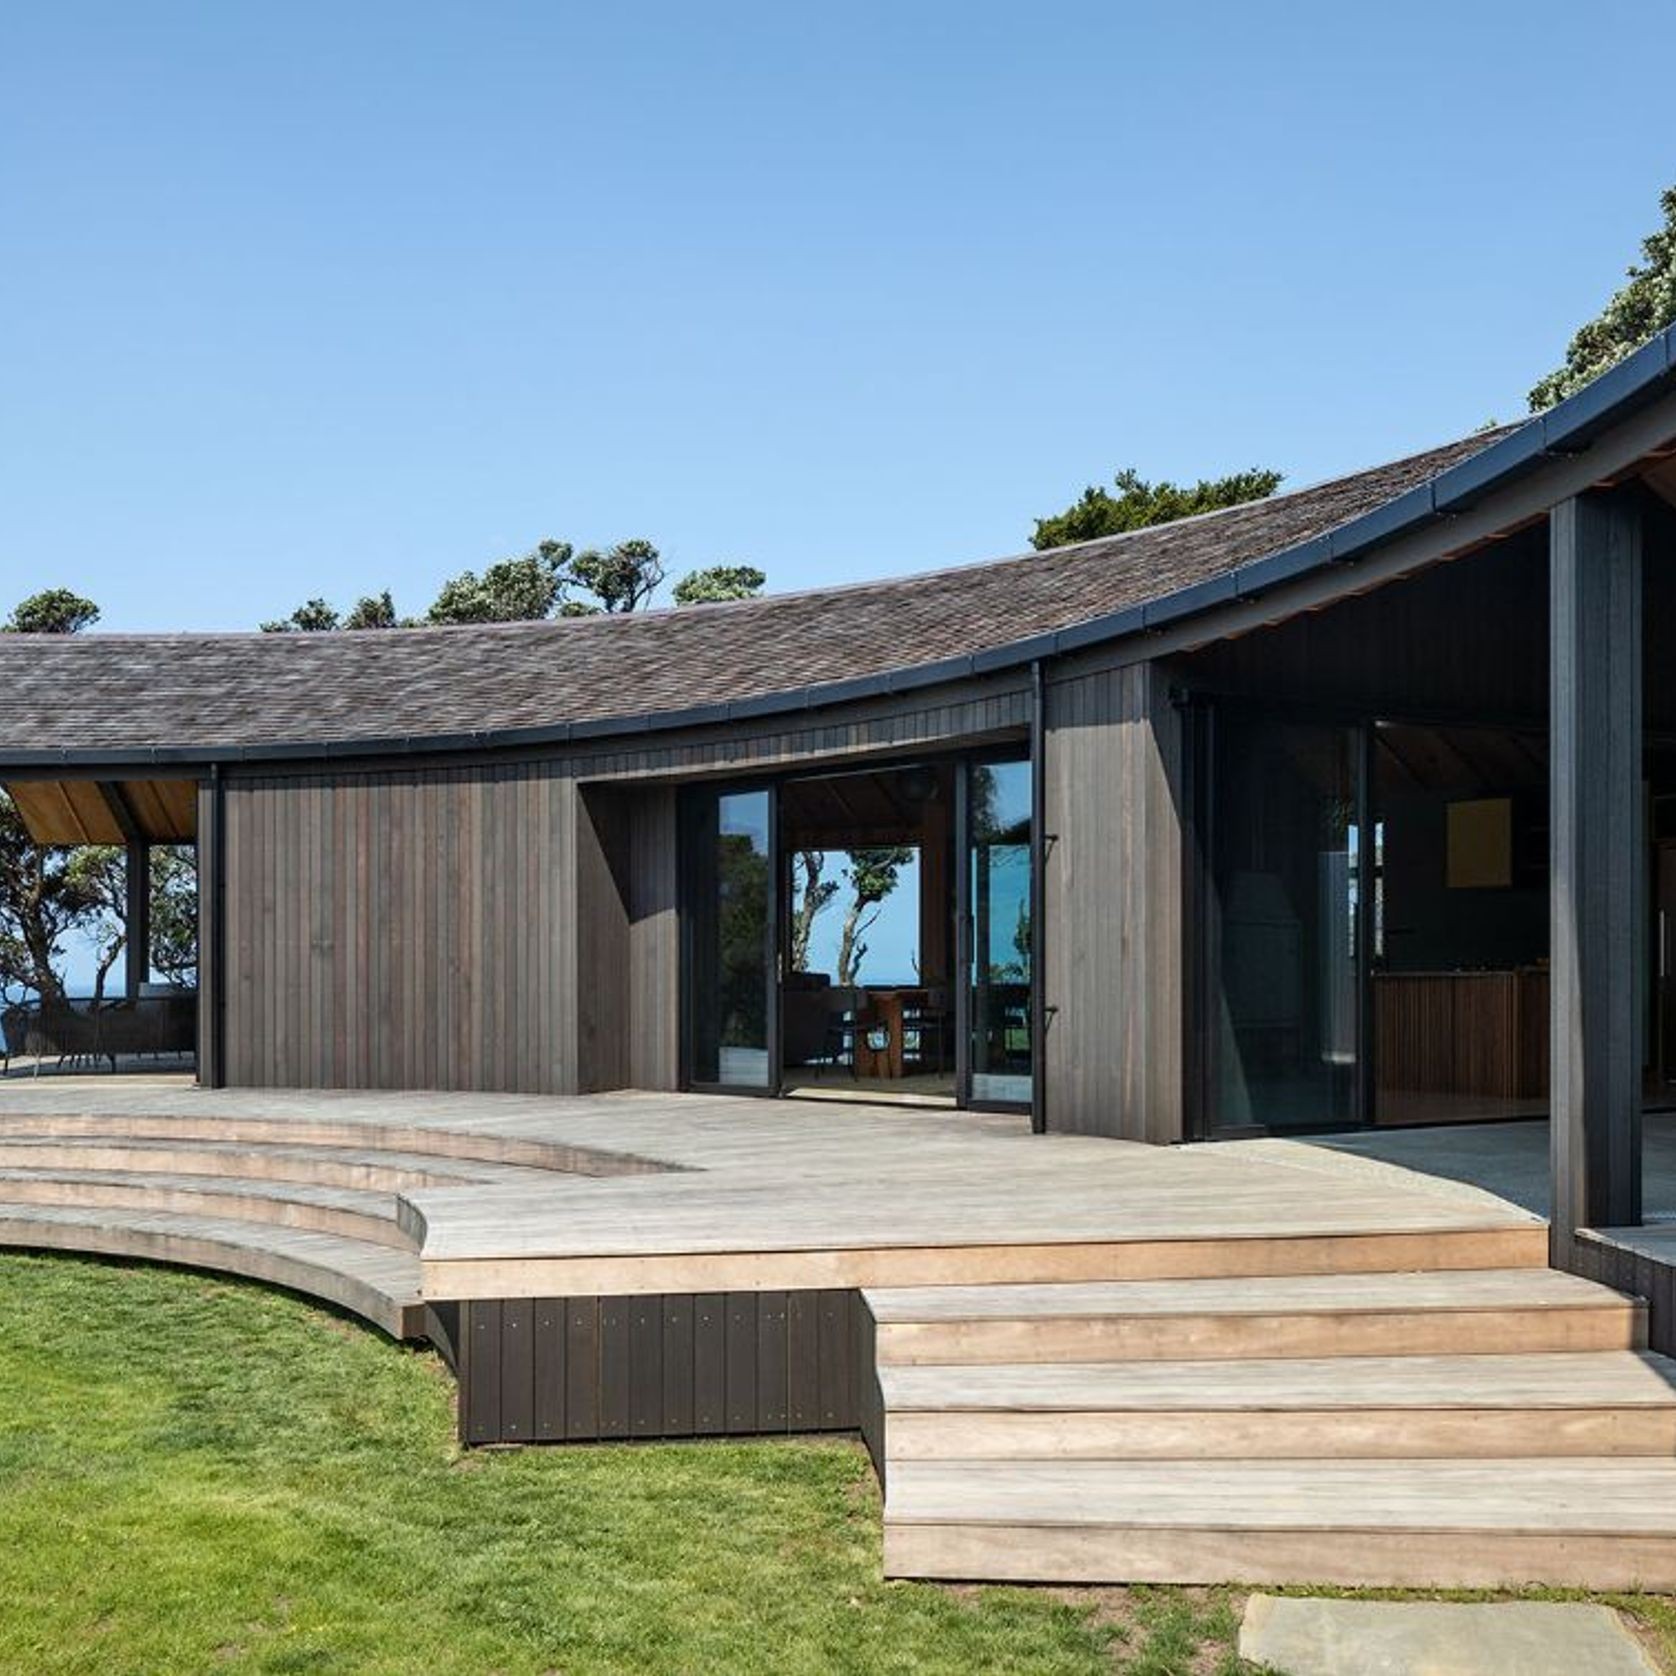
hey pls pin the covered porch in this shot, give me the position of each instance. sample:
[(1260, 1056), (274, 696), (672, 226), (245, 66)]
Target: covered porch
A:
[(150, 1023), (1430, 823)]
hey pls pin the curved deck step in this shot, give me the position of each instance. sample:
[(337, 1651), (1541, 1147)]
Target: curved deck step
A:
[(353, 1213), (462, 1143), (1576, 1523), (366, 1168), (1448, 1312), (1590, 1403), (375, 1282)]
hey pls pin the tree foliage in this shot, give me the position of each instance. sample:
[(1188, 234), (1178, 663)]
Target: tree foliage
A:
[(810, 895), (719, 583), (1646, 305), (49, 894), (622, 578), (551, 580), (45, 896), (372, 611), (174, 913), (872, 875), (52, 611), (1139, 504), (313, 616), (513, 591)]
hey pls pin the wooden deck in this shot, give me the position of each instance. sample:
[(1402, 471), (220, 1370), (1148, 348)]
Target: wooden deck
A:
[(1072, 1358), (504, 1196)]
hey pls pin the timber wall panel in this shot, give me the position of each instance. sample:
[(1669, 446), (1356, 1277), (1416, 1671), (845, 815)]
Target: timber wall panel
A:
[(654, 941), (1113, 933), (661, 1365), (403, 930)]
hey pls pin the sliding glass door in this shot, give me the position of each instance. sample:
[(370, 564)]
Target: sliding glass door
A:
[(731, 934), (754, 983), (999, 935), (1286, 928)]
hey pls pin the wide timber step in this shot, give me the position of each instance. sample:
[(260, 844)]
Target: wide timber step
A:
[(376, 1282), (1600, 1523), (464, 1142), (369, 1168), (1575, 1403), (1481, 1427), (354, 1213), (1449, 1312)]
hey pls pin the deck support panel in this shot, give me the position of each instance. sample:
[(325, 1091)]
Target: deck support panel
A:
[(660, 1365)]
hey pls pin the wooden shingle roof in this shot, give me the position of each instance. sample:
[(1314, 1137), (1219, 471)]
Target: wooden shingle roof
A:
[(180, 694)]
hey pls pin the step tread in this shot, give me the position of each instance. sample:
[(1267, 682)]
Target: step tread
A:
[(1583, 1496), (464, 1140), (1326, 1294), (382, 1268), (1570, 1379), (367, 1201), (436, 1168)]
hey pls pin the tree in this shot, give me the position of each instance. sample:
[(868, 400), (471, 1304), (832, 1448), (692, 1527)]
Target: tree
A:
[(319, 616), (623, 578), (718, 583), (1641, 308), (810, 895), (552, 579), (174, 913), (372, 611), (53, 611), (1139, 504), (514, 591), (872, 874), (313, 616), (45, 894)]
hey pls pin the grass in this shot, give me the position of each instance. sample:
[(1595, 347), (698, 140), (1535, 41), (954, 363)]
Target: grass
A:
[(198, 1475)]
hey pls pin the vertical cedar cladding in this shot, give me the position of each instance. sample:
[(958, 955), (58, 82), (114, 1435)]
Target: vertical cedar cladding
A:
[(402, 930), (1113, 905)]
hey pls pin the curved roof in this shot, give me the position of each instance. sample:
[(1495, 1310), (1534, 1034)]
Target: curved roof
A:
[(189, 696)]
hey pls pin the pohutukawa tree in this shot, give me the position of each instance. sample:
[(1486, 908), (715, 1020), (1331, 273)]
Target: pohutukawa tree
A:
[(551, 580), (1097, 512), (1634, 313)]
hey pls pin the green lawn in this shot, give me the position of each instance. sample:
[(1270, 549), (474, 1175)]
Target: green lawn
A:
[(198, 1475)]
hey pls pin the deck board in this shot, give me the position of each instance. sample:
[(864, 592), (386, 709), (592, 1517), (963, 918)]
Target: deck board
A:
[(692, 1193)]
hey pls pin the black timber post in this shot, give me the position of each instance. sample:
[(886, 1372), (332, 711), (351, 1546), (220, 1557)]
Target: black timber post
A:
[(136, 890), (1595, 774), (1038, 897), (212, 916), (137, 916)]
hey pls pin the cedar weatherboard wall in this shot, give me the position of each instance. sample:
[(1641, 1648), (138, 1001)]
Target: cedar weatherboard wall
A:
[(1113, 954), (504, 923), (654, 941), (406, 930)]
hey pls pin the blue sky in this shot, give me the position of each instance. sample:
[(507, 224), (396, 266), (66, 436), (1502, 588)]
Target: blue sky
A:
[(320, 299)]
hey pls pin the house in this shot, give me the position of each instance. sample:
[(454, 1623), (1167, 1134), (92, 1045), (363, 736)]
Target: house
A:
[(1351, 808)]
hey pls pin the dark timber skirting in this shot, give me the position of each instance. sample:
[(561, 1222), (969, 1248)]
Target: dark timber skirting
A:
[(572, 1370), (1600, 1259)]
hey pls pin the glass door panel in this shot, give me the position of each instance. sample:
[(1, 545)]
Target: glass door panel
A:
[(730, 974), (999, 975), (1286, 1010)]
